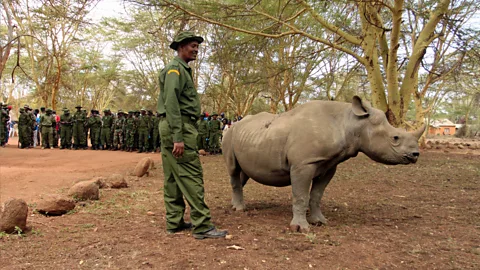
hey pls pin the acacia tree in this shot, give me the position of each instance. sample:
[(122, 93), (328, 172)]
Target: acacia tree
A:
[(375, 33)]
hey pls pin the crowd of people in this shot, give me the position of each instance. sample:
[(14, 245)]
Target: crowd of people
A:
[(124, 131)]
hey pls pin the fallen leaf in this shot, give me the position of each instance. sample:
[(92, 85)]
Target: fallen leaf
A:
[(235, 247)]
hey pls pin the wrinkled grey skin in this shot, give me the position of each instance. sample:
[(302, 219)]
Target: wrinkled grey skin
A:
[(303, 147)]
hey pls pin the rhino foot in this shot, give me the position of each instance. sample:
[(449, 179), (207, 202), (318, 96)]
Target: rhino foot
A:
[(238, 207), (302, 227), (317, 220)]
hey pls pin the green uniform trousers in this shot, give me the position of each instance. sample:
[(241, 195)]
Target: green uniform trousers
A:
[(79, 136), (23, 136), (143, 138), (202, 141), (47, 136), (106, 137), (214, 141), (183, 178), (66, 136), (95, 136)]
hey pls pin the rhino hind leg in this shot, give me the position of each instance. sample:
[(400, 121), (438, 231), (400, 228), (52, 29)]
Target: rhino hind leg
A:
[(238, 180), (318, 187)]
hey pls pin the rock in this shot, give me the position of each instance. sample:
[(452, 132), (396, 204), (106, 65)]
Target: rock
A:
[(13, 214), (84, 191), (150, 213), (428, 146), (202, 152), (460, 146), (54, 205), (142, 167), (99, 181), (117, 181)]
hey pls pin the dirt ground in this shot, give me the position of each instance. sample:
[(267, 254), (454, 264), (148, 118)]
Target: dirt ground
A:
[(421, 216)]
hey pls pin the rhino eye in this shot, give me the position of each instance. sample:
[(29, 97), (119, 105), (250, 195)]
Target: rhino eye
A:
[(396, 138)]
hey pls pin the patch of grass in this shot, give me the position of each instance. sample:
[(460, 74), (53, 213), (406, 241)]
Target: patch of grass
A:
[(311, 237), (4, 235), (86, 225), (36, 232)]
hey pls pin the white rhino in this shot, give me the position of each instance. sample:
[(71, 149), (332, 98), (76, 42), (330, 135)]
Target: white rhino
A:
[(303, 147)]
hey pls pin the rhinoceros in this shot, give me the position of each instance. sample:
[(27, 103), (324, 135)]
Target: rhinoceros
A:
[(303, 147)]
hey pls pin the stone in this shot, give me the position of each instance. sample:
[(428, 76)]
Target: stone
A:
[(460, 146), (54, 205), (117, 181), (202, 152), (142, 167), (13, 214), (85, 190), (100, 181)]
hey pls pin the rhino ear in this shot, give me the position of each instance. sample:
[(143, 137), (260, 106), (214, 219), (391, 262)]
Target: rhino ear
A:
[(359, 107)]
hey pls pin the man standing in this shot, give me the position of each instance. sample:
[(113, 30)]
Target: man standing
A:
[(179, 106), (79, 119), (130, 128), (95, 124), (215, 129), (118, 131), (143, 129), (31, 126), (66, 122), (106, 135), (46, 122), (23, 120), (202, 132)]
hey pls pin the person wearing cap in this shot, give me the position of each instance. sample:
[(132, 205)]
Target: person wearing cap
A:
[(79, 121), (3, 124), (66, 128), (179, 107), (30, 126), (106, 133), (143, 126), (95, 125), (46, 124), (215, 130), (118, 128)]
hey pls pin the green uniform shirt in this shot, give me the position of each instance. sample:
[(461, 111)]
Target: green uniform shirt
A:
[(66, 119), (178, 95), (202, 126), (107, 121), (143, 122)]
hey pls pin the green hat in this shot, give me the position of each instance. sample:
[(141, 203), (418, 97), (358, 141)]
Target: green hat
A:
[(22, 110), (48, 110), (143, 109), (130, 111), (78, 106), (26, 106), (185, 36), (214, 113), (65, 109), (106, 110), (120, 111)]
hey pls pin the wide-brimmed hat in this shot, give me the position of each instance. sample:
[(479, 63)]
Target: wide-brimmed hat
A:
[(185, 36)]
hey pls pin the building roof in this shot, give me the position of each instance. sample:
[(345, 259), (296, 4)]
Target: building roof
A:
[(442, 123)]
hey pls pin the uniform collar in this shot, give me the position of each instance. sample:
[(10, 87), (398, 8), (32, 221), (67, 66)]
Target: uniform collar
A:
[(180, 60)]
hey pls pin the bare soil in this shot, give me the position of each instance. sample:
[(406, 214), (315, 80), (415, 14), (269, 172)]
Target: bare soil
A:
[(421, 216)]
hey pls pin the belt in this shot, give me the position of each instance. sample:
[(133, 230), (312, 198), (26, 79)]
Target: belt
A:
[(185, 118)]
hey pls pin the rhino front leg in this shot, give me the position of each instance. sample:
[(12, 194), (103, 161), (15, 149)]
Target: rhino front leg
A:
[(301, 179), (318, 187), (238, 181)]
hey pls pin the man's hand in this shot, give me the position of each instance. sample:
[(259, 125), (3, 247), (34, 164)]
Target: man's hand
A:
[(178, 149)]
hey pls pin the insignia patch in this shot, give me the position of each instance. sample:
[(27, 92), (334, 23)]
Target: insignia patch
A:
[(174, 71)]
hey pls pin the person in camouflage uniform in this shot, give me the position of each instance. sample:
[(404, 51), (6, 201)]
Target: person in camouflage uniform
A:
[(156, 134), (95, 125), (130, 129), (118, 129), (3, 124), (215, 129), (56, 133), (79, 122), (106, 135), (150, 131), (66, 128), (143, 127), (23, 120), (46, 123), (31, 124), (202, 127)]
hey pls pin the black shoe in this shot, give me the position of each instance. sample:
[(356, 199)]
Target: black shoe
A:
[(140, 150), (185, 226), (211, 233)]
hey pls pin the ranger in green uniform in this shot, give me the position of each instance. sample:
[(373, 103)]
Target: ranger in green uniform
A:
[(95, 124), (66, 126), (32, 123), (143, 127), (179, 106), (46, 123), (202, 127), (118, 128), (23, 120), (106, 134), (215, 129), (79, 122), (130, 128)]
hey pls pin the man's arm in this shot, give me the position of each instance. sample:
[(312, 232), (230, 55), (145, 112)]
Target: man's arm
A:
[(172, 92)]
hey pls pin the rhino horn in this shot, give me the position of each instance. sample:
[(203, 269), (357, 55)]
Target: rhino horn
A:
[(418, 133)]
